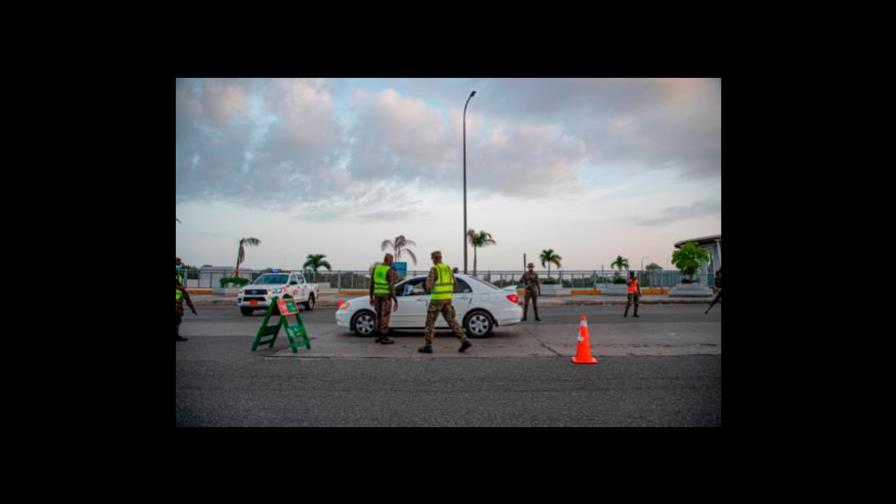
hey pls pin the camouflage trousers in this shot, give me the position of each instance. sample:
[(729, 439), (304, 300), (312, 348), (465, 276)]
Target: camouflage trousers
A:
[(180, 315), (383, 307), (635, 298), (444, 307), (528, 295)]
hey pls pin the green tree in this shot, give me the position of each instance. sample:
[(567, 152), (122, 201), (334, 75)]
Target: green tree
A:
[(548, 257), (689, 258), (620, 263), (241, 255), (478, 240), (399, 245), (315, 262)]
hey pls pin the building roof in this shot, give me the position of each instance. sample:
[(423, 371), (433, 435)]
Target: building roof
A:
[(706, 240)]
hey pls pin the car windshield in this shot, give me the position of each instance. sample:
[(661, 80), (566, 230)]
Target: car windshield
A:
[(271, 279), (493, 286)]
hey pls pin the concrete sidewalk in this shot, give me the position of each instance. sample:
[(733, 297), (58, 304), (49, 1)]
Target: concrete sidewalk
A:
[(326, 301)]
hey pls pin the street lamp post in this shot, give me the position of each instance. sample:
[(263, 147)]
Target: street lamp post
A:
[(642, 262), (465, 180)]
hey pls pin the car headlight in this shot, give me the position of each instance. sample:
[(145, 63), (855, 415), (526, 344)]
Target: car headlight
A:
[(276, 291)]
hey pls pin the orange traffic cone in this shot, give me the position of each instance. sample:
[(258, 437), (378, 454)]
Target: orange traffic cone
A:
[(583, 353)]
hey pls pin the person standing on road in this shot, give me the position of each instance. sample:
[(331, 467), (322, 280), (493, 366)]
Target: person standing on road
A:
[(382, 296), (532, 291), (719, 287), (440, 283), (181, 295), (179, 270), (634, 292)]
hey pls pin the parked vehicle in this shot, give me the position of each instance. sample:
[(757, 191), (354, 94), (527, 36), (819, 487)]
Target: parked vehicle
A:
[(480, 307), (257, 295)]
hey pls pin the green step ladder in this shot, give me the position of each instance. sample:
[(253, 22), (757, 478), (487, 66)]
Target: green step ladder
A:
[(296, 334)]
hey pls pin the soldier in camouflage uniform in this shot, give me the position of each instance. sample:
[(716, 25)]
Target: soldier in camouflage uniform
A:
[(181, 295), (532, 291), (440, 283), (382, 296)]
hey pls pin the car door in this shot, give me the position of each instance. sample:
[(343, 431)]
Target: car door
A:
[(461, 300), (301, 287), (412, 303)]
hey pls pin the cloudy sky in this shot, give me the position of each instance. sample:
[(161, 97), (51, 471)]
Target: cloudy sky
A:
[(593, 168)]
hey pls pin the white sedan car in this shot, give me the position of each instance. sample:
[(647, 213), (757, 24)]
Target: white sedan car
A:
[(480, 307)]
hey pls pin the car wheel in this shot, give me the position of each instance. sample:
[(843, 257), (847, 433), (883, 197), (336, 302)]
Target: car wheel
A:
[(246, 311), (364, 323), (309, 305), (479, 324)]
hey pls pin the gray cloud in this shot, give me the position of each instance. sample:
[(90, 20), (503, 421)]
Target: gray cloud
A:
[(278, 142), (697, 209), (229, 147)]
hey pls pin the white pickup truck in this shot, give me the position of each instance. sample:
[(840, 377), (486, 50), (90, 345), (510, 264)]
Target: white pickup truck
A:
[(257, 295)]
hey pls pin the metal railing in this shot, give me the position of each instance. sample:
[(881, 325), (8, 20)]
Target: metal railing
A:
[(575, 279)]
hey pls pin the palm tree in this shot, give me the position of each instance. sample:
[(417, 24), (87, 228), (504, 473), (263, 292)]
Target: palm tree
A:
[(241, 256), (316, 261), (620, 263), (548, 257), (398, 246), (478, 240), (689, 258)]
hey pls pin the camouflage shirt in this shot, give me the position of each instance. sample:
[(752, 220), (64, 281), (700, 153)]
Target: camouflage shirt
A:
[(530, 282)]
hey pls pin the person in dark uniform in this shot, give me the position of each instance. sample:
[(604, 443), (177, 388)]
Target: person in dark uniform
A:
[(718, 282), (634, 292), (532, 291), (382, 297)]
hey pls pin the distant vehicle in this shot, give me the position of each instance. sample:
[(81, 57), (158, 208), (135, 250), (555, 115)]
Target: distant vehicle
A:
[(480, 307), (257, 295)]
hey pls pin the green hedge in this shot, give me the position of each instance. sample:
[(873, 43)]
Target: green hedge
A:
[(237, 281)]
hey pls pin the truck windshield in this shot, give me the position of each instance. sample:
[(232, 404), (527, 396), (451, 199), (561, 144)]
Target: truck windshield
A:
[(271, 279)]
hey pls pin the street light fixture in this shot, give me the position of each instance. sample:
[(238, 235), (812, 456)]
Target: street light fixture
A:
[(465, 180)]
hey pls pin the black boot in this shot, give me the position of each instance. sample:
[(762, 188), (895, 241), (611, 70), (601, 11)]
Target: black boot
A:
[(465, 345), (626, 312), (178, 337), (385, 340), (425, 349)]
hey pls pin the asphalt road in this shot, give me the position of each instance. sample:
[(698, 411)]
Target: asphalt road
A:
[(662, 369)]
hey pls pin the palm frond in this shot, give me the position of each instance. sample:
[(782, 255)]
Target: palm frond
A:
[(411, 253), (325, 264), (250, 241), (409, 242), (386, 244)]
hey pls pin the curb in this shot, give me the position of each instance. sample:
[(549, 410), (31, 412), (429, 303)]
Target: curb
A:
[(565, 302)]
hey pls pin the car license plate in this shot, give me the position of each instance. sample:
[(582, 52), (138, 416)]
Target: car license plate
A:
[(253, 302)]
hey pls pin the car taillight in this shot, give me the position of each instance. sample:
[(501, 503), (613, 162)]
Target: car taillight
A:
[(513, 298)]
